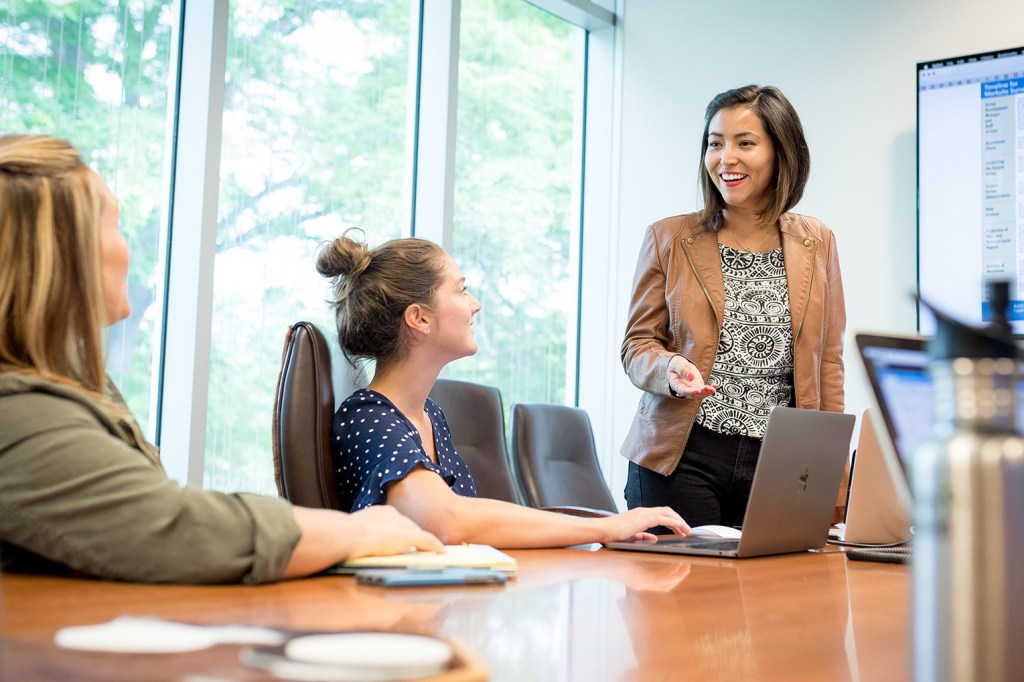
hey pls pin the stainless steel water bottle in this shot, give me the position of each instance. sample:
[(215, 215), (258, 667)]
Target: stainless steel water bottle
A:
[(968, 483)]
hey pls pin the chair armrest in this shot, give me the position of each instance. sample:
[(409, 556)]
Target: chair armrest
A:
[(588, 512)]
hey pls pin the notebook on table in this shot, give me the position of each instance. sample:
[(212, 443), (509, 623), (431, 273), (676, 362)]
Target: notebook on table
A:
[(793, 495), (455, 556)]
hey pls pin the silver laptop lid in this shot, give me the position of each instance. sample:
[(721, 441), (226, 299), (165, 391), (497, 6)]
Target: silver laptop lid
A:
[(793, 494), (796, 483), (880, 506)]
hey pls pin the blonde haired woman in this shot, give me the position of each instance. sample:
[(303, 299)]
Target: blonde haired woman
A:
[(405, 304), (80, 487)]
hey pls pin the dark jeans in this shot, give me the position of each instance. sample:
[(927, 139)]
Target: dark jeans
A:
[(711, 484)]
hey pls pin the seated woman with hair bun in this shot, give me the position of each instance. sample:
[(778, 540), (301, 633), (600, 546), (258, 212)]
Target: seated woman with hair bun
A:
[(80, 487), (405, 305)]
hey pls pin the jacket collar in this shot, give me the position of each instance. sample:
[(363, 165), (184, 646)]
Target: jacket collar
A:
[(800, 247)]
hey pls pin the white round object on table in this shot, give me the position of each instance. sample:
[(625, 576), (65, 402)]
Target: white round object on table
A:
[(373, 655)]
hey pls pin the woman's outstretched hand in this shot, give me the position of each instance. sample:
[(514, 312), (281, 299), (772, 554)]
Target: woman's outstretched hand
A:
[(686, 381), (633, 524)]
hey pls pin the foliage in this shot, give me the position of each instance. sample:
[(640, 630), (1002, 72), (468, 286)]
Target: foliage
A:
[(96, 72), (317, 97), (518, 79)]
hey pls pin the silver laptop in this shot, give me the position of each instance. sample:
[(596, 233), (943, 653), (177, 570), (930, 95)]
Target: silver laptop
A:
[(793, 495), (880, 505)]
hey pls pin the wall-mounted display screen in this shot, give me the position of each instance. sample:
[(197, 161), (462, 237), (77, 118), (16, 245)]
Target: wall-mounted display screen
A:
[(970, 182)]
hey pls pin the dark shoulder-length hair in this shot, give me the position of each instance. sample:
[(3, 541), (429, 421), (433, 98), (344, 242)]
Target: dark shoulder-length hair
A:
[(792, 158)]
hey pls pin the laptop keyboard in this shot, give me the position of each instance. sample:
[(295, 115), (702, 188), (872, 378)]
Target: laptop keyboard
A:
[(701, 542)]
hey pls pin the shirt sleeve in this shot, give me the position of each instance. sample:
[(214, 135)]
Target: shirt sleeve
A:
[(75, 494), (645, 350), (375, 445)]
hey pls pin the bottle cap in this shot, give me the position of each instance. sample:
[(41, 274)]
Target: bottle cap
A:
[(954, 339)]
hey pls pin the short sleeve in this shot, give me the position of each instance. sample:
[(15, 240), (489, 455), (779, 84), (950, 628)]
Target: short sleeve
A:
[(375, 445)]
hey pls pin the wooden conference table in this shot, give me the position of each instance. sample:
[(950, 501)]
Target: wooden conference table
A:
[(571, 614)]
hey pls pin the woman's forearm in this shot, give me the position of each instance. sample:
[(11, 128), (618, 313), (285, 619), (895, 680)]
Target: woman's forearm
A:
[(330, 536)]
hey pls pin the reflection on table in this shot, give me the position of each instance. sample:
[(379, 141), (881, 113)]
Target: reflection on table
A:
[(571, 614)]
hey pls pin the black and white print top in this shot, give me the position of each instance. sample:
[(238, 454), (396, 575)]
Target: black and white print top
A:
[(375, 444), (754, 364)]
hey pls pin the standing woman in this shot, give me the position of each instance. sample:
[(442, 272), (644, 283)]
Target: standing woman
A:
[(405, 305), (736, 309), (81, 489)]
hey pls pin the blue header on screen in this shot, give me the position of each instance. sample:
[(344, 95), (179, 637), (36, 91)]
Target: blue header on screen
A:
[(1012, 86)]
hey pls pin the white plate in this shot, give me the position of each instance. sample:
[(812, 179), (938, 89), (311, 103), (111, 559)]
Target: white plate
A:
[(371, 655)]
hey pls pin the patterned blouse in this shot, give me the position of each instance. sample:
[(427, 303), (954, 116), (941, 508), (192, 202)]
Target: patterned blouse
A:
[(754, 364), (374, 444)]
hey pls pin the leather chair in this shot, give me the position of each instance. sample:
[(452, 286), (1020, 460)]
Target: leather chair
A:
[(476, 418), (314, 375), (555, 460)]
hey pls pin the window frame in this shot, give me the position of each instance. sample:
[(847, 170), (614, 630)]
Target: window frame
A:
[(201, 45)]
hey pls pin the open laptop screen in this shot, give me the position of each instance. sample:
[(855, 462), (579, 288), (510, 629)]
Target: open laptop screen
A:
[(897, 368)]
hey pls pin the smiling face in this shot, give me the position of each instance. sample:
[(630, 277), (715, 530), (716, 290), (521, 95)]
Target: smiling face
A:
[(740, 158), (453, 308)]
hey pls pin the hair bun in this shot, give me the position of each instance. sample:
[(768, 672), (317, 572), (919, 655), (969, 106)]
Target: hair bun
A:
[(343, 257)]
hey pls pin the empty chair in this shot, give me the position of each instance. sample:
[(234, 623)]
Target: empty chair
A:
[(477, 421), (556, 460), (313, 373)]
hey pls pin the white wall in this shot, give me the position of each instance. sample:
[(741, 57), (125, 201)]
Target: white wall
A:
[(849, 69)]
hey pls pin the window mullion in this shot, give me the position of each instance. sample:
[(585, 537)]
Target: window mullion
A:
[(192, 242), (437, 108)]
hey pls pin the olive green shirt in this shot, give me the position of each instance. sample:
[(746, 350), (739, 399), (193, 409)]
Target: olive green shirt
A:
[(81, 488)]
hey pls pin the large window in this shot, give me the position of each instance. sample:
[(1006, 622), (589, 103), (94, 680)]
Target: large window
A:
[(517, 202), (324, 104), (314, 141), (97, 74)]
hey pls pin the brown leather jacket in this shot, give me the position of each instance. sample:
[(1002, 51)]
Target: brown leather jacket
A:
[(677, 307)]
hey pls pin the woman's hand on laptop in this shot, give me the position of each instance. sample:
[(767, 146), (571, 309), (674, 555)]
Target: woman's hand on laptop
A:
[(633, 524)]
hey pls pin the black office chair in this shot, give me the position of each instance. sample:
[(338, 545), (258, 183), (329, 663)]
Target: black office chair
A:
[(555, 460), (313, 372), (476, 418)]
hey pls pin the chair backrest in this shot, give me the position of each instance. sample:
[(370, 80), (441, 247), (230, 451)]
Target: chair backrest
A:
[(477, 421), (556, 459), (303, 414)]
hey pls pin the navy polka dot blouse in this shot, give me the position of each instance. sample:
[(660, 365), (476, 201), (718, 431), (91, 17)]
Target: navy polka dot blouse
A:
[(374, 444)]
